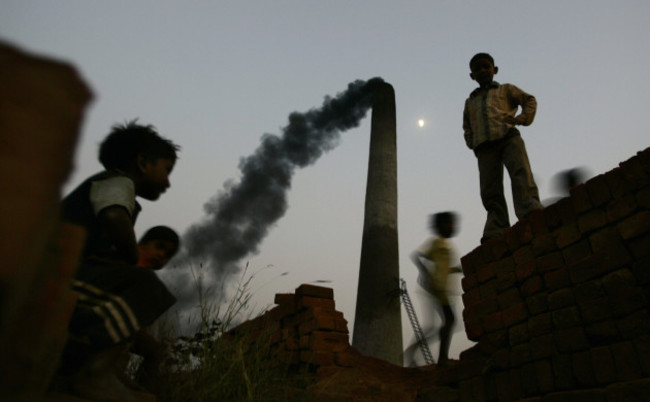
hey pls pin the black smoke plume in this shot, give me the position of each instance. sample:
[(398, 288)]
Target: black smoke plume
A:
[(240, 216)]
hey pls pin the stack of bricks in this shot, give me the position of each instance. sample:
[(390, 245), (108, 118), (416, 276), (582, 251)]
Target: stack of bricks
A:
[(305, 330), (560, 304)]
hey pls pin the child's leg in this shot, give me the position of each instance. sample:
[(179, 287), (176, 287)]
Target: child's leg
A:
[(524, 190), (445, 334), (490, 167)]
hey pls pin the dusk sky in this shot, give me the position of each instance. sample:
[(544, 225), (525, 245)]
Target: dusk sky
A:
[(214, 76)]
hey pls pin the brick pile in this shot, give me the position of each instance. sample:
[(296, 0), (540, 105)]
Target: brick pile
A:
[(305, 330), (559, 305)]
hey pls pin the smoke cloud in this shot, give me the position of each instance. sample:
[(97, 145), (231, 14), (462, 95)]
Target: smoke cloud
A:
[(240, 216)]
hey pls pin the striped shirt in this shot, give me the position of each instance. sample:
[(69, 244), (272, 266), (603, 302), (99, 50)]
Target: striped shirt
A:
[(486, 110)]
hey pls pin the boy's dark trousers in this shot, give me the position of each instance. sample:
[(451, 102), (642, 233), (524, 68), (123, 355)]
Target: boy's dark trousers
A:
[(492, 156)]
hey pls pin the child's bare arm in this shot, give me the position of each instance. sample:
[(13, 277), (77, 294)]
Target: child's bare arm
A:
[(119, 229)]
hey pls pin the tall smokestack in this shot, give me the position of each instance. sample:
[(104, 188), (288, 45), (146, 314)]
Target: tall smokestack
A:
[(240, 216), (377, 322)]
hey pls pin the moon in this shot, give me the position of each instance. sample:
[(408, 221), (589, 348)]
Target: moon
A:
[(421, 123)]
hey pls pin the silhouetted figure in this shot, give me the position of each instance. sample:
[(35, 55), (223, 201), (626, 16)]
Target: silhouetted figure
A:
[(489, 121), (116, 298), (564, 181), (156, 247), (434, 260)]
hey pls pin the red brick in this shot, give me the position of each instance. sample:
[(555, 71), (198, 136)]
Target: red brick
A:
[(328, 341), (488, 290), (552, 217), (482, 309), (529, 380), (621, 207), (519, 234), (598, 191), (472, 297), (605, 238), (543, 244), (567, 234), (281, 311), (520, 355), (515, 385), (641, 270), (542, 346), (561, 298), (577, 252), (307, 301), (633, 171), (474, 329), (567, 317), (537, 304), (346, 359), (642, 349), (619, 283), (602, 333), (538, 222), (583, 368), (592, 220), (525, 271), (597, 265), (531, 286), (472, 260), (571, 339), (514, 314), (493, 322), (631, 302), (617, 183), (580, 199), (549, 262), (634, 325), (557, 279), (505, 265), (494, 249), (626, 361), (589, 290), (595, 310), (324, 319), (318, 358), (540, 324), (562, 369), (523, 255), (508, 298), (506, 281), (500, 359), (503, 386), (640, 247), (284, 298), (604, 368), (643, 198), (485, 272), (469, 282), (635, 225), (315, 291), (518, 334), (544, 372)]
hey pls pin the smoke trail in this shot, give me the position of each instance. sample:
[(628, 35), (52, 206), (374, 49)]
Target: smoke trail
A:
[(240, 216)]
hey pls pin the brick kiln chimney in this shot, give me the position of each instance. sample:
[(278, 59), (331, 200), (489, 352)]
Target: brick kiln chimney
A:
[(377, 322)]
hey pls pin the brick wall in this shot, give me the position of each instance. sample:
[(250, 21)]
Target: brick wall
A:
[(559, 308), (560, 305)]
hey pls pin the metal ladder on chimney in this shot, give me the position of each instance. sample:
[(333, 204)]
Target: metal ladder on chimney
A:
[(422, 341)]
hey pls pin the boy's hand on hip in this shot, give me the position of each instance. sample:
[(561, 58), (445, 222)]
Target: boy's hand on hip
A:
[(511, 120)]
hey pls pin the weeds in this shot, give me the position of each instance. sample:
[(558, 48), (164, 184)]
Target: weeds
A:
[(218, 364)]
